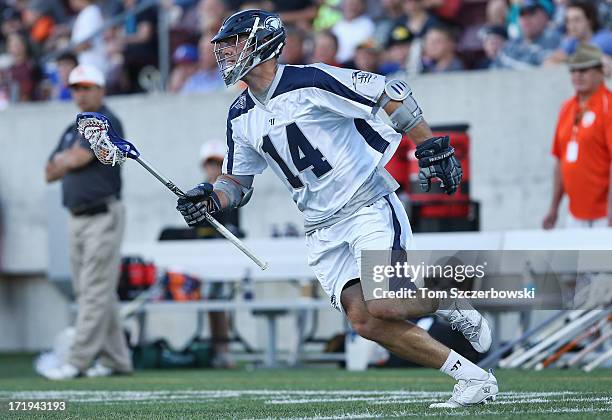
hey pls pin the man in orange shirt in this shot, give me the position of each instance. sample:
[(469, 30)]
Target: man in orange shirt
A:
[(583, 146)]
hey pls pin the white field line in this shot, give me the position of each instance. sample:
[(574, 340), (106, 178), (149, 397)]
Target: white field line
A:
[(374, 398), (504, 401), (280, 397), (445, 413), (85, 395)]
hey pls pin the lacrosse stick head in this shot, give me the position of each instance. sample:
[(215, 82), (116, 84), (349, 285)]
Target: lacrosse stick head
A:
[(109, 148)]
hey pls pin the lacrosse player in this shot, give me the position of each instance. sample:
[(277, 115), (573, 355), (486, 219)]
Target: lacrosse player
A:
[(317, 127), (91, 191)]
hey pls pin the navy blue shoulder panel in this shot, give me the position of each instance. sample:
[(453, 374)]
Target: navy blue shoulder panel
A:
[(295, 77), (240, 106)]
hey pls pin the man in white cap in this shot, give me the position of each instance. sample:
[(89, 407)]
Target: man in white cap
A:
[(91, 193)]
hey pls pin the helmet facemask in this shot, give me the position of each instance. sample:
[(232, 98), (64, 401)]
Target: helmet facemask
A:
[(246, 54)]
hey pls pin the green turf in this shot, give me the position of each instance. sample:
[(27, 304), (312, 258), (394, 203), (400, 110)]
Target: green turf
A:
[(303, 393)]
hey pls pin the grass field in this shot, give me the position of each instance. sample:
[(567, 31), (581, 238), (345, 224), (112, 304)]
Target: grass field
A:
[(314, 393)]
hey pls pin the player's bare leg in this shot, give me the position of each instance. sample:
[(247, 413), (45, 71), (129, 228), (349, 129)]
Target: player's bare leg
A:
[(458, 312), (412, 343), (400, 337)]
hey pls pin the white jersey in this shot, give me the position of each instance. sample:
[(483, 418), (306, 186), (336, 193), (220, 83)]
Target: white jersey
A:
[(317, 131)]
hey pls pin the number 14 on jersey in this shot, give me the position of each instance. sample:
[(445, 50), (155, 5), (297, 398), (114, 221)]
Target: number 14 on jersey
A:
[(303, 154)]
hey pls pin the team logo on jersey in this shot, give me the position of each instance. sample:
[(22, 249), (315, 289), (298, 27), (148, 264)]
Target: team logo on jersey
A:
[(241, 102), (272, 23), (362, 78)]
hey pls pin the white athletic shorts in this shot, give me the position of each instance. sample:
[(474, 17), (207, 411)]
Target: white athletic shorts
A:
[(334, 252)]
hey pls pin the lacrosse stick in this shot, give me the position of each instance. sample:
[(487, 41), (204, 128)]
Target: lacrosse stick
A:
[(110, 149)]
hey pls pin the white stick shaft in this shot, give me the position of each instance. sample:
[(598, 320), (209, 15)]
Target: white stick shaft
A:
[(218, 226), (546, 331), (589, 318), (237, 242), (169, 184)]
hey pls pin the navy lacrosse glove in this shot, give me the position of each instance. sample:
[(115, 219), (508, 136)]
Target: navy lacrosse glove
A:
[(197, 202), (437, 160)]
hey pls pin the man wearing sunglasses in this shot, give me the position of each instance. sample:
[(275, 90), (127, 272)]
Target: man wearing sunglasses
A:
[(583, 146)]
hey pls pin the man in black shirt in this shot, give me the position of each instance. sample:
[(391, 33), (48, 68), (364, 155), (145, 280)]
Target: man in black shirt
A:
[(91, 193)]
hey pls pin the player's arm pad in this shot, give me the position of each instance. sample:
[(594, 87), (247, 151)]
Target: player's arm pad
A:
[(237, 188), (409, 114)]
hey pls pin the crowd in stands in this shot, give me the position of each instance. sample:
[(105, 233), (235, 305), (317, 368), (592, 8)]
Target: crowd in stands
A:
[(406, 37)]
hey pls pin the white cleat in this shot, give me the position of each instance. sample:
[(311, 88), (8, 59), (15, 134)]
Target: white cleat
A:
[(98, 370), (471, 324), (65, 371), (471, 392)]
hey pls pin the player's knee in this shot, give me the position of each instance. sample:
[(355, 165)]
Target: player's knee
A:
[(363, 324), (385, 310), (366, 328)]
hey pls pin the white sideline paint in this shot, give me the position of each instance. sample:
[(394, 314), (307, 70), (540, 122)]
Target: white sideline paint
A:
[(289, 397), (374, 398)]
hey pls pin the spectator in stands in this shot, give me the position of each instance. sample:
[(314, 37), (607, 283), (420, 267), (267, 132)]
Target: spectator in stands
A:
[(392, 13), (439, 52), (558, 17), (298, 13), (18, 80), (583, 27), (138, 41), (38, 18), (11, 23), (497, 12), (397, 51), (91, 193), (211, 14), (328, 14), (185, 60), (418, 18), (418, 21), (367, 57), (354, 28), (89, 20), (207, 77), (293, 51), (65, 64), (538, 41), (582, 146), (493, 39), (325, 48), (514, 15)]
